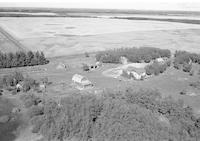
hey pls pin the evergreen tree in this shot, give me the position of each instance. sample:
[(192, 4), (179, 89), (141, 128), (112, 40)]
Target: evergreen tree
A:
[(21, 59), (42, 59), (29, 57), (37, 57)]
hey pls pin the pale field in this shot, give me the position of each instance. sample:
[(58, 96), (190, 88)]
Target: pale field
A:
[(66, 36)]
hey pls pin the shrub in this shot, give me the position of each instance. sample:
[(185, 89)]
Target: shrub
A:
[(125, 74), (191, 72), (37, 122), (28, 84), (177, 66), (29, 100), (87, 54), (168, 62), (183, 92), (35, 111), (155, 68), (187, 67), (85, 67)]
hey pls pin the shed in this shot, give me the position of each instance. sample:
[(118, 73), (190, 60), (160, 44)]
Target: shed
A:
[(123, 60), (61, 66), (99, 63), (160, 60), (81, 82)]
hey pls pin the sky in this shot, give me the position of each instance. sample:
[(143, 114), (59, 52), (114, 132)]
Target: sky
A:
[(187, 5)]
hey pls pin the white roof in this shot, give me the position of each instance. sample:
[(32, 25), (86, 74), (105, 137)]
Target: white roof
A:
[(80, 79), (160, 59)]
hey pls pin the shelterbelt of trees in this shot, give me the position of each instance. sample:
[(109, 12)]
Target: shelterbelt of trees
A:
[(123, 115), (21, 59), (135, 55)]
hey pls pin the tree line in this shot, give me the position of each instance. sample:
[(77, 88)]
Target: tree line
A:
[(21, 59), (135, 55)]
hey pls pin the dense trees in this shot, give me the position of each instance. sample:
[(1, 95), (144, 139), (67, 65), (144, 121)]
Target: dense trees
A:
[(183, 60), (20, 59), (134, 55), (156, 68), (116, 115), (11, 80)]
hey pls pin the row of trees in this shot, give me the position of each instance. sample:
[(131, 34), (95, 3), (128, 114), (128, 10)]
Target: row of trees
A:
[(115, 116), (135, 55), (21, 59)]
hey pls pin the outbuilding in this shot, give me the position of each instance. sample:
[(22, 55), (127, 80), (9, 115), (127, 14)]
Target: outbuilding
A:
[(81, 82)]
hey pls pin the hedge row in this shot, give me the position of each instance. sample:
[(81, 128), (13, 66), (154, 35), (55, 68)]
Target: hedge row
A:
[(21, 59), (134, 55)]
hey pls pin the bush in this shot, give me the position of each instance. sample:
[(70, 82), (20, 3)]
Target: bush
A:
[(35, 111), (191, 72), (155, 68), (87, 54), (37, 122), (28, 84), (85, 67), (183, 92), (187, 67), (29, 100)]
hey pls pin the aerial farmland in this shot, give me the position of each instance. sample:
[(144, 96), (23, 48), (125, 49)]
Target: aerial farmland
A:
[(70, 63)]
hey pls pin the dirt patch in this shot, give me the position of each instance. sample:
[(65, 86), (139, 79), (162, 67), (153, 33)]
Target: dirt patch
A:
[(116, 72)]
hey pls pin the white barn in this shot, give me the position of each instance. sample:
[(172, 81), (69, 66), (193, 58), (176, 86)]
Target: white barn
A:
[(81, 82)]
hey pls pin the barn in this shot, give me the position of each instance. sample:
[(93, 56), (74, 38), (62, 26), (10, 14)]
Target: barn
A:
[(81, 82)]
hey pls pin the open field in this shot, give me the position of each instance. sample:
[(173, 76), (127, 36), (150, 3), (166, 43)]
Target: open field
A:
[(65, 36)]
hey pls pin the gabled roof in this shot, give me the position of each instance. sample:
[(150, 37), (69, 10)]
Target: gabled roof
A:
[(81, 79)]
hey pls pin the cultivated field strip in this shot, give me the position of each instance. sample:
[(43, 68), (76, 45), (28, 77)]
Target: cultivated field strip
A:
[(20, 46)]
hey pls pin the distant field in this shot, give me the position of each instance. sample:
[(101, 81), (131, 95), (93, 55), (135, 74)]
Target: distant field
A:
[(65, 36)]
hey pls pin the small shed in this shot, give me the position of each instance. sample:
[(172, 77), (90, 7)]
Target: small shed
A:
[(61, 66), (99, 64), (81, 82), (123, 60), (160, 60)]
